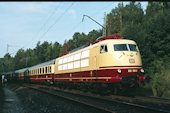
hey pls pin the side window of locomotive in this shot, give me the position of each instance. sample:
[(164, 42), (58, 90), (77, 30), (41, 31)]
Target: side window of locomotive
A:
[(120, 47), (103, 49), (132, 47)]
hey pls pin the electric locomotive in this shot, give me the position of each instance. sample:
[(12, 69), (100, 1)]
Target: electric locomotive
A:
[(111, 62)]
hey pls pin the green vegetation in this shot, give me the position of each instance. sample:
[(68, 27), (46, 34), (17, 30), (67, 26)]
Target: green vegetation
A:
[(150, 29)]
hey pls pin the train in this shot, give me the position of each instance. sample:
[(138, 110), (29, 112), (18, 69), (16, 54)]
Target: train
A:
[(110, 64)]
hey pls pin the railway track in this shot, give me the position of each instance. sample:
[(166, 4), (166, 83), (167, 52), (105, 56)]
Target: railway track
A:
[(156, 100), (103, 105), (159, 98)]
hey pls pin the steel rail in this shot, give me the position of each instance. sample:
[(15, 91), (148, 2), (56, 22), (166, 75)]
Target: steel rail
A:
[(157, 98), (145, 99)]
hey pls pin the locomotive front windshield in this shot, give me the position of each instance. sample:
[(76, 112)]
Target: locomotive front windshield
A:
[(125, 47), (132, 47)]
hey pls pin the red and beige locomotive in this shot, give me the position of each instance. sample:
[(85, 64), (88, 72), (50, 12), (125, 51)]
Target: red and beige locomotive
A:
[(109, 64)]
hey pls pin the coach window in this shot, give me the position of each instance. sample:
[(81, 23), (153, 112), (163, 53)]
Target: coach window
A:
[(50, 69), (45, 69), (103, 49), (40, 70)]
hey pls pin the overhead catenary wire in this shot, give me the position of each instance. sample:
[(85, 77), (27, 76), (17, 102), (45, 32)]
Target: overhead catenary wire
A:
[(108, 5), (55, 22), (58, 20), (43, 25), (50, 26), (42, 36)]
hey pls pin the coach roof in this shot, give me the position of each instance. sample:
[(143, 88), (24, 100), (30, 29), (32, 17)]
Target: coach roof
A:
[(43, 64)]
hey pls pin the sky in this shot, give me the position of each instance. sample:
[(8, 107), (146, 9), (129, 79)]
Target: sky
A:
[(23, 24)]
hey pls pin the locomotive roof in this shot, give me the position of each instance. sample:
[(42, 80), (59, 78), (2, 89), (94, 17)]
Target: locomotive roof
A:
[(117, 41), (76, 49), (113, 41)]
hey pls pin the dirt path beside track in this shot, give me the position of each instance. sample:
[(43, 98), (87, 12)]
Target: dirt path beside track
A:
[(12, 102), (19, 99)]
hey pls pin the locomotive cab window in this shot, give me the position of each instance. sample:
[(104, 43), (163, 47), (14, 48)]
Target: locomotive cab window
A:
[(120, 47), (103, 49), (132, 47), (125, 47)]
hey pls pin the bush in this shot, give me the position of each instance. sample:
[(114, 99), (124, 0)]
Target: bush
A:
[(160, 78)]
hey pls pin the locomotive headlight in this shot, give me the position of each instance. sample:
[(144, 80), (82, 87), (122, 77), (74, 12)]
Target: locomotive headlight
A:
[(119, 71), (129, 70), (135, 70), (142, 70)]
